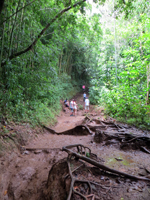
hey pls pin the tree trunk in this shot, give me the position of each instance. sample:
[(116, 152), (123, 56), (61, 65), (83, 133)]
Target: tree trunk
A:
[(1, 5), (2, 44)]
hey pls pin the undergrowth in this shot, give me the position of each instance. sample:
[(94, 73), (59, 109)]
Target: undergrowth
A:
[(38, 106), (125, 106)]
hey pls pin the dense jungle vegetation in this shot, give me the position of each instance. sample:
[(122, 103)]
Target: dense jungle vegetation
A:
[(49, 48)]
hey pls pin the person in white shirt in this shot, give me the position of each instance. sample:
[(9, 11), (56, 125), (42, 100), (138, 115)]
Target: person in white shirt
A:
[(71, 107), (87, 103), (74, 107)]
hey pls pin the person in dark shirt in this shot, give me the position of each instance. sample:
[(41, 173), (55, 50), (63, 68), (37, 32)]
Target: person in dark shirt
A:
[(66, 103)]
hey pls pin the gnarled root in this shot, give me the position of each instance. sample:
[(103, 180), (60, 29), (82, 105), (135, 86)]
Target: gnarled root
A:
[(73, 181), (97, 164)]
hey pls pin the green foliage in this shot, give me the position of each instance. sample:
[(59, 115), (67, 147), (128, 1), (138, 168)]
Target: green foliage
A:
[(94, 95), (87, 154), (126, 107), (120, 78), (111, 57), (33, 84), (45, 115), (80, 107)]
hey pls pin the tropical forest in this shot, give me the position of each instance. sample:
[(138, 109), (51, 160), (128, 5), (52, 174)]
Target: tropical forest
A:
[(74, 100)]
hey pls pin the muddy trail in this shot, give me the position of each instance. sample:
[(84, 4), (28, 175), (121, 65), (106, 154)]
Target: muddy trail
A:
[(83, 157)]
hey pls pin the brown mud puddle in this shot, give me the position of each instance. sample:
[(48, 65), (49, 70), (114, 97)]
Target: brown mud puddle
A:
[(23, 176)]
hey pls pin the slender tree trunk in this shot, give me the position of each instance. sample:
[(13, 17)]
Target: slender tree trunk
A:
[(3, 53), (68, 61), (17, 11), (65, 61), (148, 80), (12, 30), (60, 61), (2, 44), (19, 32), (1, 5)]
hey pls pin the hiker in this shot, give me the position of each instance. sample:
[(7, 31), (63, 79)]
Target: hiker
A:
[(83, 87), (84, 96), (74, 107), (71, 107), (66, 103), (87, 103)]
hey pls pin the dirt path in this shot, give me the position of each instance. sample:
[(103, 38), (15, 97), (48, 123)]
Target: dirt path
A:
[(23, 176)]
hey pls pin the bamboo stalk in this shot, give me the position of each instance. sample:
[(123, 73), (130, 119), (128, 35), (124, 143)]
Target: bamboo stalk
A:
[(12, 30), (18, 11), (2, 44), (67, 66), (21, 20), (60, 61)]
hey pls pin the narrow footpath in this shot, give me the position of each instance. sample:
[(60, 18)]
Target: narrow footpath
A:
[(23, 176)]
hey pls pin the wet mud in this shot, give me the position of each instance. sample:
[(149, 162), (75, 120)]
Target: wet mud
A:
[(40, 170)]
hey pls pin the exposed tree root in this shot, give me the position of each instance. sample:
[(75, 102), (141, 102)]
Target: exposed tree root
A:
[(78, 130), (97, 164), (145, 150), (13, 139), (126, 140), (103, 125), (34, 149), (8, 136), (75, 177), (49, 129), (75, 169), (73, 181)]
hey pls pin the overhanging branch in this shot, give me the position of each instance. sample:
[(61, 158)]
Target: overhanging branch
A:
[(43, 31)]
